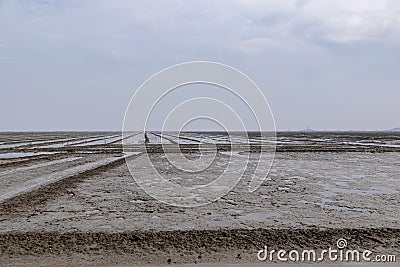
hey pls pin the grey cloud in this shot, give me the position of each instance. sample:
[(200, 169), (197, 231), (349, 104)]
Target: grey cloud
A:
[(297, 51)]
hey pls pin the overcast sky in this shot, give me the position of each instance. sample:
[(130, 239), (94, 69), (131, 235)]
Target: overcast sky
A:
[(74, 65)]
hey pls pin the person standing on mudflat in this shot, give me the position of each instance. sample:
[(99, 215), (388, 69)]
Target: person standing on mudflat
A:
[(146, 139)]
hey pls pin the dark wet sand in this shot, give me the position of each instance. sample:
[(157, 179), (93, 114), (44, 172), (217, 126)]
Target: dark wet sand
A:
[(190, 246)]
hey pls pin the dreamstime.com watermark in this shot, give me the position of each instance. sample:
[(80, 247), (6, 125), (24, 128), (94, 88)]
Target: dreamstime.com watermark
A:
[(338, 254)]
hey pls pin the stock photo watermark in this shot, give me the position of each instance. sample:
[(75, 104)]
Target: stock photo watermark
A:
[(340, 253), (153, 90)]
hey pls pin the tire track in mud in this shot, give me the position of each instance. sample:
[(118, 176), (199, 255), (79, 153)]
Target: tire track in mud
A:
[(123, 138), (89, 140), (116, 143), (166, 138), (37, 193), (39, 165), (17, 162), (185, 138), (49, 142), (43, 143)]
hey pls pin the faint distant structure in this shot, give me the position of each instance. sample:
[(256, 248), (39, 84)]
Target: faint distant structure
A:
[(146, 139)]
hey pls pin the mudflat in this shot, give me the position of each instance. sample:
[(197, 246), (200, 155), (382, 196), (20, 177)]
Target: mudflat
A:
[(69, 198)]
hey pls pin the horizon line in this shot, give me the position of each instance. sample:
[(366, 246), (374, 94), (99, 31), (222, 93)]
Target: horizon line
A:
[(157, 130)]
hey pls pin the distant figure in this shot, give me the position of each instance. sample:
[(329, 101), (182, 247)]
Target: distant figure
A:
[(146, 139)]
